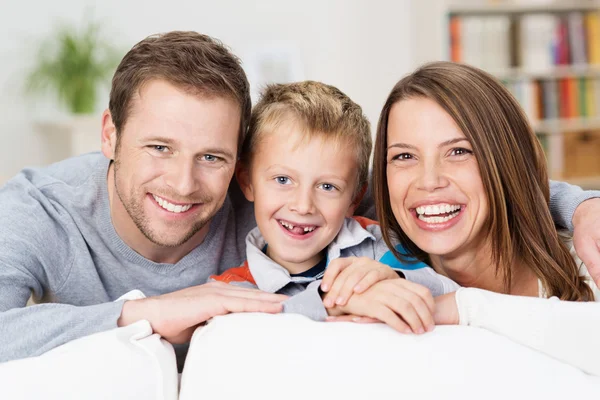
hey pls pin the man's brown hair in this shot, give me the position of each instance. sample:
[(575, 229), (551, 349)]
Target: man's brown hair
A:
[(191, 61), (320, 110), (513, 171)]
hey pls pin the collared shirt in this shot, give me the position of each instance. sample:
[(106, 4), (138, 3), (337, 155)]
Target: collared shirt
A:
[(358, 237)]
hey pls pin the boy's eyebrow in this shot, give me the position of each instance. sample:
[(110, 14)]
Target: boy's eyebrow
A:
[(443, 144), (331, 176)]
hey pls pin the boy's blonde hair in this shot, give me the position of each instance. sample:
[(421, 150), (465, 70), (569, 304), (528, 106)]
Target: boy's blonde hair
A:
[(318, 109)]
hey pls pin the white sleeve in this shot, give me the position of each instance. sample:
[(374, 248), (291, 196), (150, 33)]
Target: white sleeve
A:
[(567, 331)]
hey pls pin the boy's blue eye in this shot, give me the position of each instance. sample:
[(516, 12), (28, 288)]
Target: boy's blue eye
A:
[(328, 187), (282, 180)]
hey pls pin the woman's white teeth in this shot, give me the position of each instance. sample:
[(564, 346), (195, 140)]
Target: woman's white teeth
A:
[(437, 209), (175, 208), (437, 220)]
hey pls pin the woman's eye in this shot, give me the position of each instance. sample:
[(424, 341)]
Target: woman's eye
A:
[(460, 151), (282, 180), (328, 187), (403, 156)]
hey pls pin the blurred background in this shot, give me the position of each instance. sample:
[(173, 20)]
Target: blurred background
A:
[(58, 57)]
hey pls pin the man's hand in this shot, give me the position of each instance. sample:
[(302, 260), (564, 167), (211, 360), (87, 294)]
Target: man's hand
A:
[(586, 236), (403, 305), (348, 275), (176, 315)]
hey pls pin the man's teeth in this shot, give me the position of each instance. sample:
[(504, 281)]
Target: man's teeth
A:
[(431, 214), (290, 226), (175, 208)]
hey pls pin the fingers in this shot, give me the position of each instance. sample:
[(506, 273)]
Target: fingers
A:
[(353, 318), (588, 249), (391, 318), (242, 292), (371, 278), (414, 311), (343, 287), (238, 305), (333, 270)]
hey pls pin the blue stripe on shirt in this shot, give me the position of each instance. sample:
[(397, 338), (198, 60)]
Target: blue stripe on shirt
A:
[(390, 260)]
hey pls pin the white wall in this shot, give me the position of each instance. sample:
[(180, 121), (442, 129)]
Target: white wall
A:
[(361, 46)]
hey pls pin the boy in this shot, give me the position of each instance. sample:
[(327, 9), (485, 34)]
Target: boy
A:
[(305, 166)]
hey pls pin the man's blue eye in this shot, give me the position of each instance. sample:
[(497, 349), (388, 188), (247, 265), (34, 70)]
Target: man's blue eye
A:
[(210, 157), (160, 148)]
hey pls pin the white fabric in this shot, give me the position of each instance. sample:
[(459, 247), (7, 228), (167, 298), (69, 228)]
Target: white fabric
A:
[(124, 363), (261, 356), (565, 330)]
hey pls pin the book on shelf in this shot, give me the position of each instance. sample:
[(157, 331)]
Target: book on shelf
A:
[(530, 42)]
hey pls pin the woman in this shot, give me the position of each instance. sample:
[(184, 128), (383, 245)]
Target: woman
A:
[(460, 182)]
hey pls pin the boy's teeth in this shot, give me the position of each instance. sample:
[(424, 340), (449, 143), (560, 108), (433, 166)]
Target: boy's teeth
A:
[(291, 227), (174, 208)]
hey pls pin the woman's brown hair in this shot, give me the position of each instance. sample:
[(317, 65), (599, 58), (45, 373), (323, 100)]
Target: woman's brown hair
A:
[(513, 171)]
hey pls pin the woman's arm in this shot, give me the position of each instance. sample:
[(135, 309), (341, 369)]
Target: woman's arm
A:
[(563, 330)]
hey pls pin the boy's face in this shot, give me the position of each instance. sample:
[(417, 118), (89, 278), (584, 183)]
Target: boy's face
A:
[(302, 191)]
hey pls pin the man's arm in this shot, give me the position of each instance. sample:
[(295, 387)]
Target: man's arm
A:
[(31, 331), (579, 211), (564, 201)]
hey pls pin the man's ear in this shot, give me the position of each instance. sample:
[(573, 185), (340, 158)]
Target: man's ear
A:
[(109, 135), (242, 174), (357, 199)]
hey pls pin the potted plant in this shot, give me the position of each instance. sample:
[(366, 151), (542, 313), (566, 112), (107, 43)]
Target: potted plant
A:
[(73, 64)]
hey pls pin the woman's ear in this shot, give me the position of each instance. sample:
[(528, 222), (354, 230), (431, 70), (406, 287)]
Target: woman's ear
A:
[(108, 135), (357, 199), (242, 174)]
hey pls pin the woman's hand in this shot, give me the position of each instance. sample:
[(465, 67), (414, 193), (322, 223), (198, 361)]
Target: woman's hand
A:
[(405, 306), (446, 310), (346, 276)]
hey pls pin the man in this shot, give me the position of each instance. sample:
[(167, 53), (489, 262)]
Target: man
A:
[(155, 212)]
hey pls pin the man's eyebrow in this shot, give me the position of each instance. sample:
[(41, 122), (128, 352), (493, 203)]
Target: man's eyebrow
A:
[(443, 144), (217, 151)]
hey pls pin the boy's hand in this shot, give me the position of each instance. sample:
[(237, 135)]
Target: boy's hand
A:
[(403, 305), (348, 275)]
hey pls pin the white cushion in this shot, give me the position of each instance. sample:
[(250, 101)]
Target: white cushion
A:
[(123, 363), (261, 356)]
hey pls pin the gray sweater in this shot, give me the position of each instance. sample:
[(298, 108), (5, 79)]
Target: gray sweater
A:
[(57, 243)]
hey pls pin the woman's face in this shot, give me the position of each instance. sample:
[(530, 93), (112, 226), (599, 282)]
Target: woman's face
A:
[(435, 187)]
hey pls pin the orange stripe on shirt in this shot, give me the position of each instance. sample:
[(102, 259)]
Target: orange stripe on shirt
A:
[(239, 274), (364, 222)]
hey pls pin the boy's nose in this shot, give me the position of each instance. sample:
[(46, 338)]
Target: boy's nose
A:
[(302, 203)]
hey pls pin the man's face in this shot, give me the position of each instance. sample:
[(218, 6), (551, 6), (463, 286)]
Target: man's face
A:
[(173, 163)]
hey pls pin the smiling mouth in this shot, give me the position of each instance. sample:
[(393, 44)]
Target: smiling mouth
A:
[(437, 214), (174, 208), (297, 229)]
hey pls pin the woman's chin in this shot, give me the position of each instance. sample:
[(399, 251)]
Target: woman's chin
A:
[(438, 249)]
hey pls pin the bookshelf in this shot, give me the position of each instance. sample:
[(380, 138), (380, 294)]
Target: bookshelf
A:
[(548, 55)]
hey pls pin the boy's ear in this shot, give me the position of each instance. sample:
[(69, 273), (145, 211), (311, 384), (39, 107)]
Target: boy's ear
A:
[(242, 174), (357, 199), (108, 135)]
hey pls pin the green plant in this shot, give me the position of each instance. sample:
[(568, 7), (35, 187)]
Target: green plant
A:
[(73, 64)]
